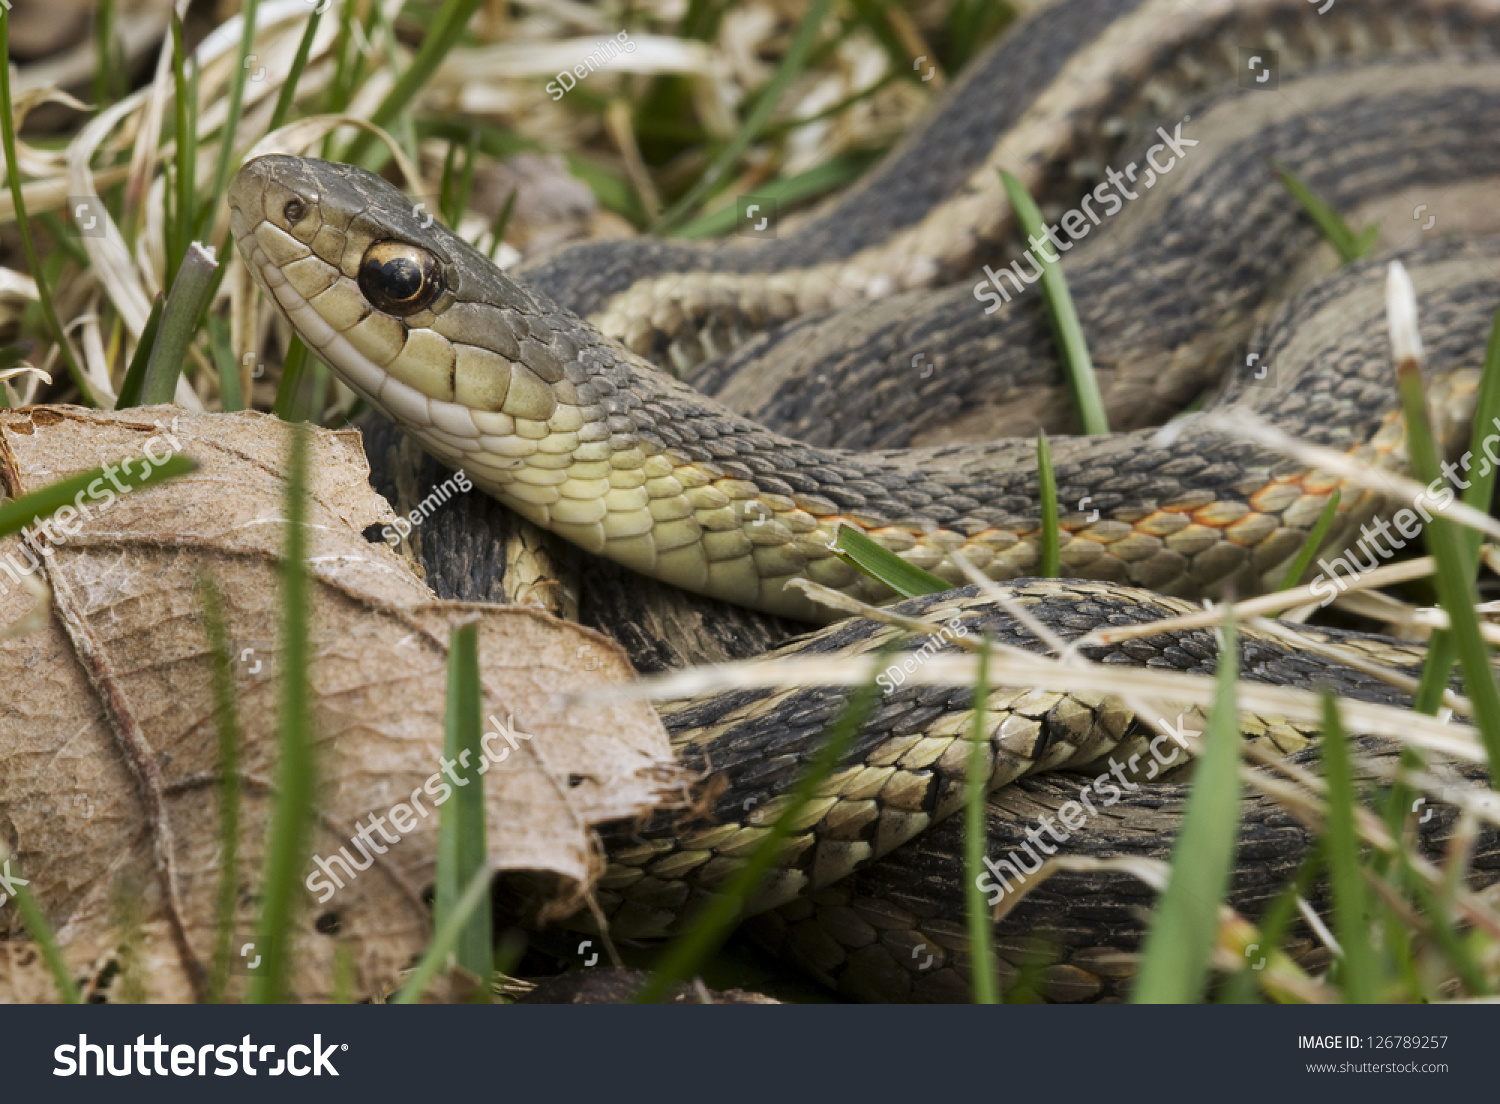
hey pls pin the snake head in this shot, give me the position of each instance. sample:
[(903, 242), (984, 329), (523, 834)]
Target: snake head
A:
[(564, 426), (408, 314)]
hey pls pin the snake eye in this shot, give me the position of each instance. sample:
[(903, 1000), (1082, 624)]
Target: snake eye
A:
[(294, 211), (398, 278)]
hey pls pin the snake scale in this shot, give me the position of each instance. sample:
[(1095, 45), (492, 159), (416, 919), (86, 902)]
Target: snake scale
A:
[(556, 391)]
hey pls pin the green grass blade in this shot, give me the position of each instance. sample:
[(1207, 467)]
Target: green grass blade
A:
[(818, 181), (231, 127), (227, 722), (445, 938), (45, 939), (985, 984), (723, 910), (1349, 245), (883, 565), (287, 406), (786, 126), (1455, 570), (449, 25), (792, 63), (401, 128), (872, 15), (1241, 988), (170, 236), (292, 808), (278, 117), (340, 90), (971, 24), (445, 185), (456, 190), (1071, 343), (1441, 650), (1444, 932), (345, 976), (613, 191), (135, 375), (23, 225), (186, 112), (502, 220), (1049, 539), (231, 398), (364, 56), (1313, 542), (1179, 946), (64, 241), (109, 55), (1481, 488), (1350, 911), (462, 846), (19, 513), (1400, 797), (179, 325), (299, 62)]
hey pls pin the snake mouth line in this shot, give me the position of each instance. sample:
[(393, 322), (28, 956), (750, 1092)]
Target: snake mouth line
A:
[(394, 399), (359, 372)]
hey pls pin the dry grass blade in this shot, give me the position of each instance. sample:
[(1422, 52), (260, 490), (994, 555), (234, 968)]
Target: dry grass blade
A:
[(1026, 670), (1419, 568)]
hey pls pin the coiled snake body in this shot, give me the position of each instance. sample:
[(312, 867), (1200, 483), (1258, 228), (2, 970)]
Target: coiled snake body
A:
[(818, 335)]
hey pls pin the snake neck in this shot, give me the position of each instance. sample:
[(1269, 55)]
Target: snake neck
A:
[(640, 468)]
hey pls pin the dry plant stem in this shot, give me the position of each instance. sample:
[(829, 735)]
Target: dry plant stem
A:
[(601, 925), (1460, 854), (1146, 712), (1031, 671), (1419, 568), (1151, 715), (838, 600), (617, 119), (138, 753), (916, 45), (845, 603), (1410, 920), (1153, 873), (1354, 660), (1319, 928), (1379, 606)]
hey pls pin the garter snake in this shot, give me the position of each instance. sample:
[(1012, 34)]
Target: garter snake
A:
[(578, 432)]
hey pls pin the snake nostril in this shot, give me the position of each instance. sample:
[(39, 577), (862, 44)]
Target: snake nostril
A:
[(294, 211)]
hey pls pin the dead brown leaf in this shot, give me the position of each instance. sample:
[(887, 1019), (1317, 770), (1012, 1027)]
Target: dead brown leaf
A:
[(108, 746)]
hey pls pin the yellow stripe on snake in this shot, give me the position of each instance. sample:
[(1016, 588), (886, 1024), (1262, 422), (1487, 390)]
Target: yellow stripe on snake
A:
[(1193, 270)]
